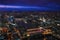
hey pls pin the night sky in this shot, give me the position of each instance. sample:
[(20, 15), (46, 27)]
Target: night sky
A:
[(51, 4)]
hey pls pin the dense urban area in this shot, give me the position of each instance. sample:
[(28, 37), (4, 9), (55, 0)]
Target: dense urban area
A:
[(29, 25)]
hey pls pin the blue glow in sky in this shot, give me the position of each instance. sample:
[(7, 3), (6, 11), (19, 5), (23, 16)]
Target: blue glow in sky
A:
[(51, 5), (9, 6), (28, 8)]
